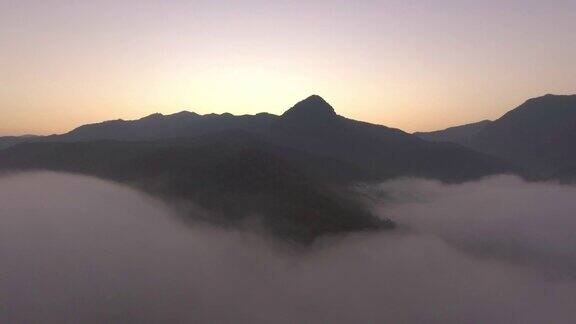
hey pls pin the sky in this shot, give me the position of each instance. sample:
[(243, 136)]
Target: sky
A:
[(414, 65)]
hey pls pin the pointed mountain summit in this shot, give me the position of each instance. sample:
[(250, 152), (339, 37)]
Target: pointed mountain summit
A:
[(312, 116), (313, 107)]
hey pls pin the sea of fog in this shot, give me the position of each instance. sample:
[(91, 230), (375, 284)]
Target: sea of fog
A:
[(76, 249)]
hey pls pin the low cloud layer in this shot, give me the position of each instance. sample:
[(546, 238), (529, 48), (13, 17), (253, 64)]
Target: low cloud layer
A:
[(77, 249), (499, 217)]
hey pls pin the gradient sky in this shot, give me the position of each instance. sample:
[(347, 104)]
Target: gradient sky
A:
[(415, 65)]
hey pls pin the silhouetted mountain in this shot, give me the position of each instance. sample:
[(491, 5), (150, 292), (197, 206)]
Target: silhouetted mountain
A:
[(8, 141), (158, 126), (313, 126), (233, 174), (539, 135), (288, 169), (464, 134), (309, 117)]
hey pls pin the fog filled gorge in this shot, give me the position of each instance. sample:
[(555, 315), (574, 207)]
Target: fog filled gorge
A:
[(79, 249)]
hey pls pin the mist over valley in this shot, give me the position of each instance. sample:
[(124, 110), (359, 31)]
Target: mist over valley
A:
[(497, 250)]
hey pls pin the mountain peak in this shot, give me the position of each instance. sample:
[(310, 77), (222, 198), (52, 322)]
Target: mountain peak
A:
[(551, 97), (185, 113), (561, 104), (313, 107), (152, 116)]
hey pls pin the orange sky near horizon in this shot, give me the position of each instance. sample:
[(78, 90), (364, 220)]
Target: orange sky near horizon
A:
[(414, 65)]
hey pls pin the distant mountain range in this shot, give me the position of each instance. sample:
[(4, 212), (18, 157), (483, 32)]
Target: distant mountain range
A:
[(310, 126), (537, 136), (291, 171), (8, 141)]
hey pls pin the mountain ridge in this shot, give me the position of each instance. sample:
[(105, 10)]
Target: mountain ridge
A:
[(535, 135), (293, 172), (312, 126)]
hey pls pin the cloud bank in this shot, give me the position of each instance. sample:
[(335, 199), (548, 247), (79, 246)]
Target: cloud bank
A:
[(77, 249), (499, 217)]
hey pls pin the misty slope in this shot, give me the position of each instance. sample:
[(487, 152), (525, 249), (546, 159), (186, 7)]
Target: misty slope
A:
[(232, 174), (538, 135)]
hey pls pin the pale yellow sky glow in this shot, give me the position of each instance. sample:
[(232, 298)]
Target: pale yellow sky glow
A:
[(409, 65)]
